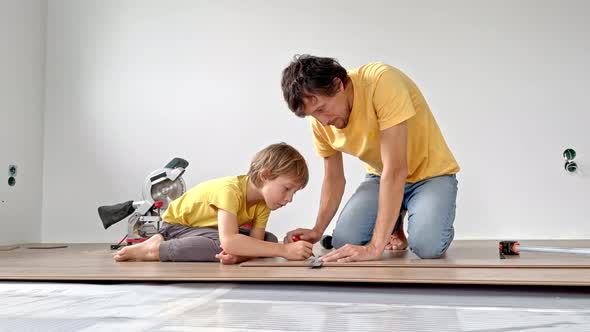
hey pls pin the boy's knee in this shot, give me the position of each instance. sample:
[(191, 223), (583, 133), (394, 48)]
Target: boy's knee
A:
[(270, 237)]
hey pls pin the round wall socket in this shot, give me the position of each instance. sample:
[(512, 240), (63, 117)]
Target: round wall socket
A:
[(571, 166), (11, 170), (569, 154)]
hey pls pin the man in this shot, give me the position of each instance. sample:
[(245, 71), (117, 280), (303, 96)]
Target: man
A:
[(379, 115)]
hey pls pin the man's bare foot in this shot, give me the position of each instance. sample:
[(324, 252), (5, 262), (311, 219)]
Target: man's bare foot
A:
[(148, 250), (397, 241)]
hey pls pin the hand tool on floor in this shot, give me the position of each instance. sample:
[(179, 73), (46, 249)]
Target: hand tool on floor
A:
[(160, 188), (314, 262), (510, 248)]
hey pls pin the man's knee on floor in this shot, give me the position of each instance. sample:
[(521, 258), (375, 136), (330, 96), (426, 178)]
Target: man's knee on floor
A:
[(426, 249)]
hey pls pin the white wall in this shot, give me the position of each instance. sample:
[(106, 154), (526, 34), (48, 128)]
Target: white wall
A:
[(131, 84), (22, 41)]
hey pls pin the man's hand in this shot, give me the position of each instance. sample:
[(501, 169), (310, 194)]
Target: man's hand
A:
[(305, 234), (227, 259), (353, 253)]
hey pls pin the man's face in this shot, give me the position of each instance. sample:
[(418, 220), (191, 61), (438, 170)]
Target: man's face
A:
[(329, 111)]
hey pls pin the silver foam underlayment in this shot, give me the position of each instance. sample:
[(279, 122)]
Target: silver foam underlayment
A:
[(285, 307)]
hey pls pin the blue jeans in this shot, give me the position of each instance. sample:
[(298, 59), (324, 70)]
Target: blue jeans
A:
[(431, 212)]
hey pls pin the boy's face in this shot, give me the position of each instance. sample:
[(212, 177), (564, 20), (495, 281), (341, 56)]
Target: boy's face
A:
[(279, 192)]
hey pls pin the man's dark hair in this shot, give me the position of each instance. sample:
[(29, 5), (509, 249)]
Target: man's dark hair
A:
[(307, 75)]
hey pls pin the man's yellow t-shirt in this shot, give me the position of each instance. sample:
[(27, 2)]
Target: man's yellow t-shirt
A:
[(383, 98), (198, 206)]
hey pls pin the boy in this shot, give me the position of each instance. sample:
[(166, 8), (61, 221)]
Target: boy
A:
[(203, 225)]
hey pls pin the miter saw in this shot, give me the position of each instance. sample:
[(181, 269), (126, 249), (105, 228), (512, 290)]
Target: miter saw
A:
[(161, 187)]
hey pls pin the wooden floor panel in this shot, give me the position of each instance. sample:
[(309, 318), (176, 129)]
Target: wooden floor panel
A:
[(461, 254), (94, 262)]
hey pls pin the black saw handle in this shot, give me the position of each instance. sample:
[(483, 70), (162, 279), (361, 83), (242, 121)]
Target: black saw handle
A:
[(177, 162)]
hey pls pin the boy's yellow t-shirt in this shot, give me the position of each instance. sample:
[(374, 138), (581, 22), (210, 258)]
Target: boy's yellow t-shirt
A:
[(198, 206), (383, 98)]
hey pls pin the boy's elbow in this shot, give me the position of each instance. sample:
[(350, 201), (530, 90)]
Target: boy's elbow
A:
[(228, 244)]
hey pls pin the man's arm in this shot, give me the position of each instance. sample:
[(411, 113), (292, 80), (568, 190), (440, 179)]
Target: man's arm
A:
[(393, 179), (331, 196), (332, 191)]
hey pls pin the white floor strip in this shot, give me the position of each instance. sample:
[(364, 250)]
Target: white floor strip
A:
[(408, 306)]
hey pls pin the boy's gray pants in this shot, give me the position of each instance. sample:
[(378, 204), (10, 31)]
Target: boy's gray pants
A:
[(194, 244)]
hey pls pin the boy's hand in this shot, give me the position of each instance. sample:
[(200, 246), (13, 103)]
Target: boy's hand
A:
[(304, 234), (226, 258), (298, 251)]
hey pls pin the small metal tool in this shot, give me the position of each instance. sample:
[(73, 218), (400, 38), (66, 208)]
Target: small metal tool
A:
[(315, 262)]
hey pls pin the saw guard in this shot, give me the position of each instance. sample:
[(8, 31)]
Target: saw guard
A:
[(159, 187)]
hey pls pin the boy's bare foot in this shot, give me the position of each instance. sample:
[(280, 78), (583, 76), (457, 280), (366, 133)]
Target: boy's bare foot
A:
[(398, 241), (148, 250)]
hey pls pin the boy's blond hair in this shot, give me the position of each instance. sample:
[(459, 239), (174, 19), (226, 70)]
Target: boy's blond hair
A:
[(279, 159)]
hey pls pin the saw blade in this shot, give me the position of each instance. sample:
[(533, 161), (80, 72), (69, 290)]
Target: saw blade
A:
[(166, 191)]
